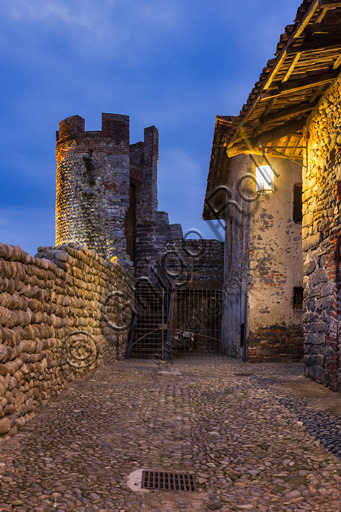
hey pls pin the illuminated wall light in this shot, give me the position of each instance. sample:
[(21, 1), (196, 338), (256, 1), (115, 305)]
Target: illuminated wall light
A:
[(265, 179)]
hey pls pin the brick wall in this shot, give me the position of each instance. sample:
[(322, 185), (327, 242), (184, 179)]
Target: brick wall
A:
[(57, 321), (194, 260)]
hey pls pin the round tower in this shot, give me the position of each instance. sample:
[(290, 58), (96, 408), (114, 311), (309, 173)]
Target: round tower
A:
[(93, 185)]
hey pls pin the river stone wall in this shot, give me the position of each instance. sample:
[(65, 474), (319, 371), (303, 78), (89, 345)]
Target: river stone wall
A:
[(58, 313), (322, 241)]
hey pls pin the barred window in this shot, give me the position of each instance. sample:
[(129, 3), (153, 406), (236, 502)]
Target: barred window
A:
[(298, 297), (298, 203)]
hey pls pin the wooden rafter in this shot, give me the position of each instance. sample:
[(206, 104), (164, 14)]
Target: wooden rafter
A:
[(337, 62), (270, 106), (316, 94), (300, 28), (292, 67), (298, 85), (264, 138), (278, 133), (308, 61), (327, 4), (325, 7), (294, 111)]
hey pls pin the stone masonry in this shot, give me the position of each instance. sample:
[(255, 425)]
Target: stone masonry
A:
[(93, 185), (57, 312), (107, 199), (107, 193), (322, 240), (249, 434)]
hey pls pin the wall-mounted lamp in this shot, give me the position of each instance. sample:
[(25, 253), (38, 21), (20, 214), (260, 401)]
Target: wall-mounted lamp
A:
[(265, 179), (265, 175)]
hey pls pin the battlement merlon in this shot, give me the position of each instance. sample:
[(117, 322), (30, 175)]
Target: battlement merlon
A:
[(71, 127), (115, 127), (151, 147)]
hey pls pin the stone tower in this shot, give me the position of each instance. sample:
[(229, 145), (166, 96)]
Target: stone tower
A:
[(107, 190)]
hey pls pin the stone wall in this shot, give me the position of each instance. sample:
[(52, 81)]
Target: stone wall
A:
[(236, 260), (322, 241), (58, 313)]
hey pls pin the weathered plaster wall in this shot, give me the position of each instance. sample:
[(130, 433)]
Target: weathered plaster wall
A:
[(322, 241), (93, 185), (263, 256), (275, 326), (236, 259), (56, 322)]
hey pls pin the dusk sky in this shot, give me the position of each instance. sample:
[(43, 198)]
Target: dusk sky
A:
[(174, 64)]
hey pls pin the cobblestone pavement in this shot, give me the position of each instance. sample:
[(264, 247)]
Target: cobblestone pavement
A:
[(244, 435)]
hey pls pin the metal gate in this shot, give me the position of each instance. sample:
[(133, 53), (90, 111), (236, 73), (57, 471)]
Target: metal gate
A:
[(195, 327), (194, 320), (150, 330)]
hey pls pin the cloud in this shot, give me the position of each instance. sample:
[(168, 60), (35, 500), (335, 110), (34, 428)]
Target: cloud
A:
[(115, 27), (72, 12)]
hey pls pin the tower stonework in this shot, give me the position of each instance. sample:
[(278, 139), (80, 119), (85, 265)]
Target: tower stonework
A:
[(93, 185), (107, 193), (147, 207)]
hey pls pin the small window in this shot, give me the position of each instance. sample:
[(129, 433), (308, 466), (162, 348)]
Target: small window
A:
[(265, 179), (298, 297), (298, 203)]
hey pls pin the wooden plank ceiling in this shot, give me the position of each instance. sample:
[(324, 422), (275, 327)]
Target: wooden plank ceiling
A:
[(307, 61)]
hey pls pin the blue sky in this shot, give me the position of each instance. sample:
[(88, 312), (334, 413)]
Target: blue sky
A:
[(174, 64)]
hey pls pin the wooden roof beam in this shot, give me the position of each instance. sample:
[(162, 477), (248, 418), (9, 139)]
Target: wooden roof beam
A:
[(278, 133), (272, 152), (298, 85), (294, 111), (316, 94), (300, 28), (337, 62), (268, 136), (291, 68), (325, 7), (327, 4)]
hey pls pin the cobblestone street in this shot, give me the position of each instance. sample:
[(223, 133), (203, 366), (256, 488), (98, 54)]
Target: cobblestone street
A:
[(250, 434)]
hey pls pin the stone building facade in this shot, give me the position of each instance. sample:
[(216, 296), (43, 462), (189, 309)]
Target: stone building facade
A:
[(263, 262)]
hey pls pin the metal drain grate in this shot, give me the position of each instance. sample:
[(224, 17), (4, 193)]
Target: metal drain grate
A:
[(168, 481)]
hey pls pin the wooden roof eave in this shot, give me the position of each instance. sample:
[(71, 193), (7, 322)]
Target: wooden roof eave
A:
[(280, 59)]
